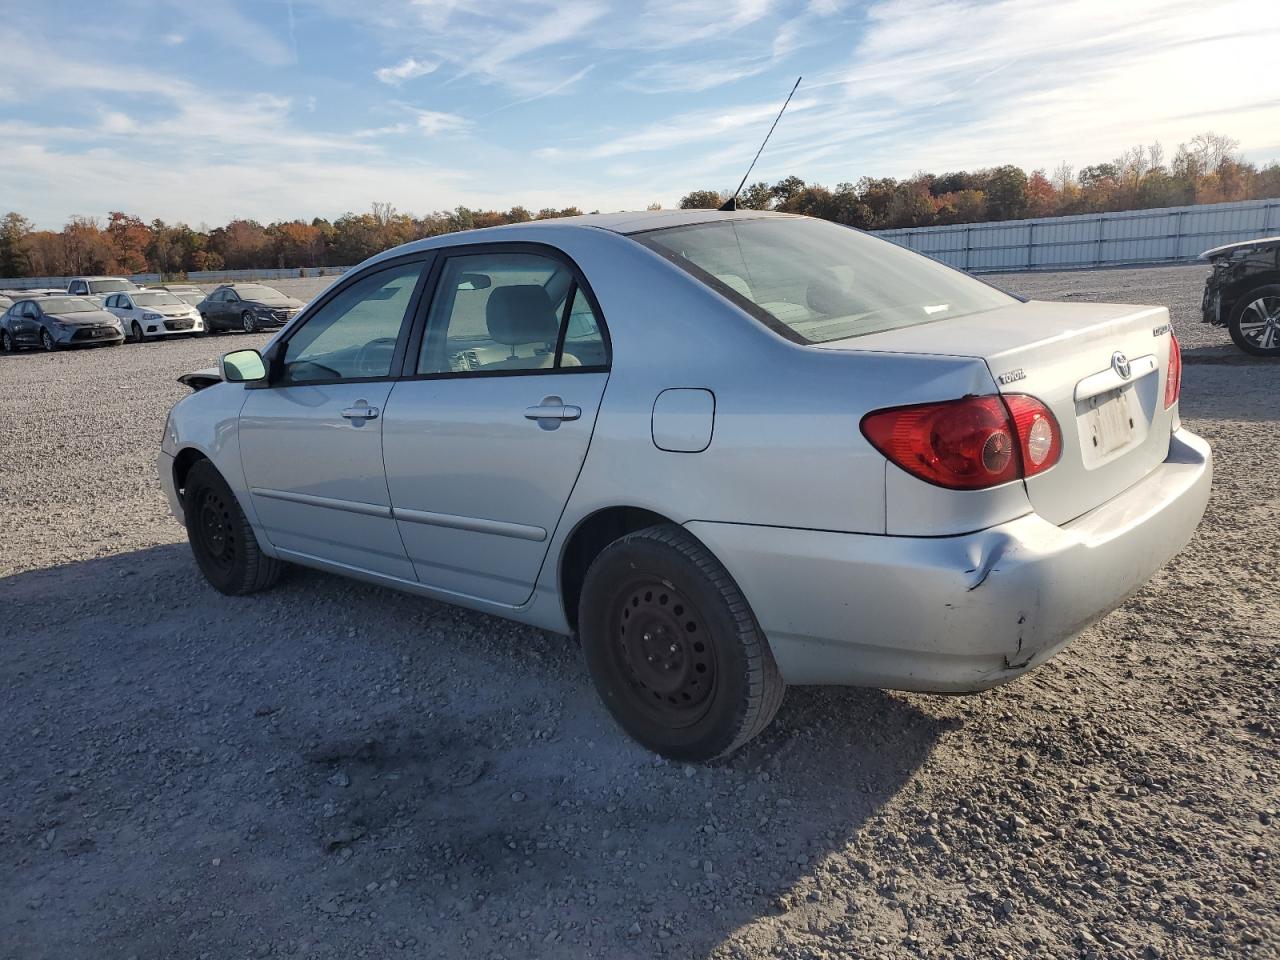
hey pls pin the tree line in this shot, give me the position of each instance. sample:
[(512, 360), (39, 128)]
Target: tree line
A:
[(1208, 169)]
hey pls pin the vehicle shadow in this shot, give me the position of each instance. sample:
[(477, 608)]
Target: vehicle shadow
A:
[(331, 766)]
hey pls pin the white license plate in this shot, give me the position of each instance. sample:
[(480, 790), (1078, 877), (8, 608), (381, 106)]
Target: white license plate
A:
[(1110, 421)]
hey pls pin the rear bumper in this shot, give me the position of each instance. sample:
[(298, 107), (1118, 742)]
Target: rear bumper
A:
[(958, 614)]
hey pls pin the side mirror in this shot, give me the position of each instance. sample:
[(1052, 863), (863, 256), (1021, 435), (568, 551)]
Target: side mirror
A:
[(243, 366)]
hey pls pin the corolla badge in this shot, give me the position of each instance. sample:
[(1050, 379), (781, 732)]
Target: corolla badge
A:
[(1120, 364)]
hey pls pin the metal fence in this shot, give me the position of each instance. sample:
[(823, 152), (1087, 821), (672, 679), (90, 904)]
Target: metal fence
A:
[(195, 276), (1163, 235)]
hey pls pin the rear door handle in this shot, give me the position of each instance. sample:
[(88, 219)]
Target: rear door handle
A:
[(361, 411), (552, 408)]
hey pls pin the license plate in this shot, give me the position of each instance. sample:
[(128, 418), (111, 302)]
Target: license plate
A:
[(1110, 421)]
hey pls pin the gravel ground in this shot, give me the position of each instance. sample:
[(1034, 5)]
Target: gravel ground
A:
[(336, 770)]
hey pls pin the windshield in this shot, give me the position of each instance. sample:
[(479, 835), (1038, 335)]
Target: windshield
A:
[(815, 281), (156, 299), (255, 291), (67, 305), (111, 286)]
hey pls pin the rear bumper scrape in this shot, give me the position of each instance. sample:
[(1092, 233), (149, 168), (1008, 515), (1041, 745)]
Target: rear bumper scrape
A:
[(958, 614)]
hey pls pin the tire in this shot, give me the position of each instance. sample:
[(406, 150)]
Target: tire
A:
[(47, 341), (696, 679), (248, 322), (6, 343), (225, 548), (135, 332), (1255, 321)]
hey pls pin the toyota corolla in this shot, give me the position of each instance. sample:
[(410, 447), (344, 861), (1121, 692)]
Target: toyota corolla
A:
[(728, 451)]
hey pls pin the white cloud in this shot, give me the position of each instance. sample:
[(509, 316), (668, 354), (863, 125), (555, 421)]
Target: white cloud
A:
[(173, 39), (406, 69), (433, 122)]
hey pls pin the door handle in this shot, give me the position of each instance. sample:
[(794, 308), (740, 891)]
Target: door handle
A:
[(361, 411), (552, 408)]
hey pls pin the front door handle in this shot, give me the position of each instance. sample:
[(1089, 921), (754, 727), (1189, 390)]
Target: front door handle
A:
[(361, 411), (552, 408)]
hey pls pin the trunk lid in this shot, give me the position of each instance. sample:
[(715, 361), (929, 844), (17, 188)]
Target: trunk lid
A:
[(1115, 429)]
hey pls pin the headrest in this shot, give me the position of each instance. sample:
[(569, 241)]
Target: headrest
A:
[(521, 314)]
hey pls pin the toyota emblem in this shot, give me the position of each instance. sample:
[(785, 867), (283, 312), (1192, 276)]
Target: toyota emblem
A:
[(1120, 364)]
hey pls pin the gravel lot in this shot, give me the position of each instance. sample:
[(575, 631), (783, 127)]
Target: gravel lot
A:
[(336, 770)]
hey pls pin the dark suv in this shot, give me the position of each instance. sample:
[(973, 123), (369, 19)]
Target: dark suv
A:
[(247, 306), (1243, 294)]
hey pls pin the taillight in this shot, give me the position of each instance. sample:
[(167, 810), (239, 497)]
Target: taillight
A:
[(1173, 378), (968, 444)]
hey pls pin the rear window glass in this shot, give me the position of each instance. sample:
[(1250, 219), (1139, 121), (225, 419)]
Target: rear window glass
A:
[(156, 299), (111, 286), (815, 281)]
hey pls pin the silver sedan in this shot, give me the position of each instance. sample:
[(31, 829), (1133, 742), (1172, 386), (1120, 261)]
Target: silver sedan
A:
[(729, 451)]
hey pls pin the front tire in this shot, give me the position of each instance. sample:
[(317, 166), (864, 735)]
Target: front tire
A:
[(1255, 321), (225, 548), (6, 343), (135, 332), (673, 648), (47, 341), (249, 322)]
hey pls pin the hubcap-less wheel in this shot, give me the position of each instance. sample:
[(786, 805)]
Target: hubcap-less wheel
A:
[(215, 529), (137, 332), (1260, 323), (664, 648), (47, 341), (250, 324)]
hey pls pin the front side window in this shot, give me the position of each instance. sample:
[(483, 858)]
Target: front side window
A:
[(502, 312), (815, 281), (353, 335)]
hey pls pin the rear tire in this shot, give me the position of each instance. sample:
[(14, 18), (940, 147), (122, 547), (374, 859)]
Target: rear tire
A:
[(1255, 321), (225, 548), (674, 649)]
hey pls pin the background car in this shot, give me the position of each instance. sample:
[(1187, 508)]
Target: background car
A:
[(186, 292), (154, 313), (97, 288), (820, 458), (247, 306), (1242, 293), (56, 322)]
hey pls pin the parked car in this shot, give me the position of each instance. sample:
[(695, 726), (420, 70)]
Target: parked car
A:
[(820, 458), (154, 313), (247, 306), (56, 322), (186, 292), (97, 288), (1243, 294)]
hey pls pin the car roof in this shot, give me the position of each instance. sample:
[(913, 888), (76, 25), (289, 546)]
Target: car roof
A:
[(640, 221), (102, 278), (1227, 247)]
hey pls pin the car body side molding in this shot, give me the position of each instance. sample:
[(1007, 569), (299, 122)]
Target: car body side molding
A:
[(501, 528)]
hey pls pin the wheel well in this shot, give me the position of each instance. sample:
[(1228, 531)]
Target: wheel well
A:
[(585, 543), (187, 458), (1244, 286)]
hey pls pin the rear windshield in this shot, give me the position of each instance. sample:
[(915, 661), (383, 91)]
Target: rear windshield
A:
[(815, 281), (156, 298), (111, 286), (62, 305)]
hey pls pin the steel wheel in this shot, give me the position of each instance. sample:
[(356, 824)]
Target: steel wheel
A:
[(46, 341), (662, 646), (248, 322), (1258, 324), (215, 529)]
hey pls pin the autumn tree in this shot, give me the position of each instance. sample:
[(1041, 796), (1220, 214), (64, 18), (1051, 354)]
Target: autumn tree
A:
[(127, 240), (701, 200), (14, 230)]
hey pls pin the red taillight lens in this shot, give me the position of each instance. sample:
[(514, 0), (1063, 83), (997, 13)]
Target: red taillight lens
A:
[(1173, 378), (968, 444)]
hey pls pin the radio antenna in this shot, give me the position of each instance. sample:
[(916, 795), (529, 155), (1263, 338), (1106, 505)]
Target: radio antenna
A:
[(732, 202)]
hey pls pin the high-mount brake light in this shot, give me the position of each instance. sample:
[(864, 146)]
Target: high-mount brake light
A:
[(968, 444)]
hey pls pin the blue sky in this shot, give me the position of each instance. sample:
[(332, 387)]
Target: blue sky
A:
[(204, 110)]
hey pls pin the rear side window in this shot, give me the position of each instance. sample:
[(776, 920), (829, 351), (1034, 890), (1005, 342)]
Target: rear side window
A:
[(354, 335), (510, 312), (815, 281)]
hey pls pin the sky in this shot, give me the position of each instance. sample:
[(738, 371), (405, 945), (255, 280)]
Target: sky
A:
[(204, 110)]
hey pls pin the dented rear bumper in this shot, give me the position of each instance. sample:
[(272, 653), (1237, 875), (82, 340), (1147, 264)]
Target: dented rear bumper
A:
[(965, 613)]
